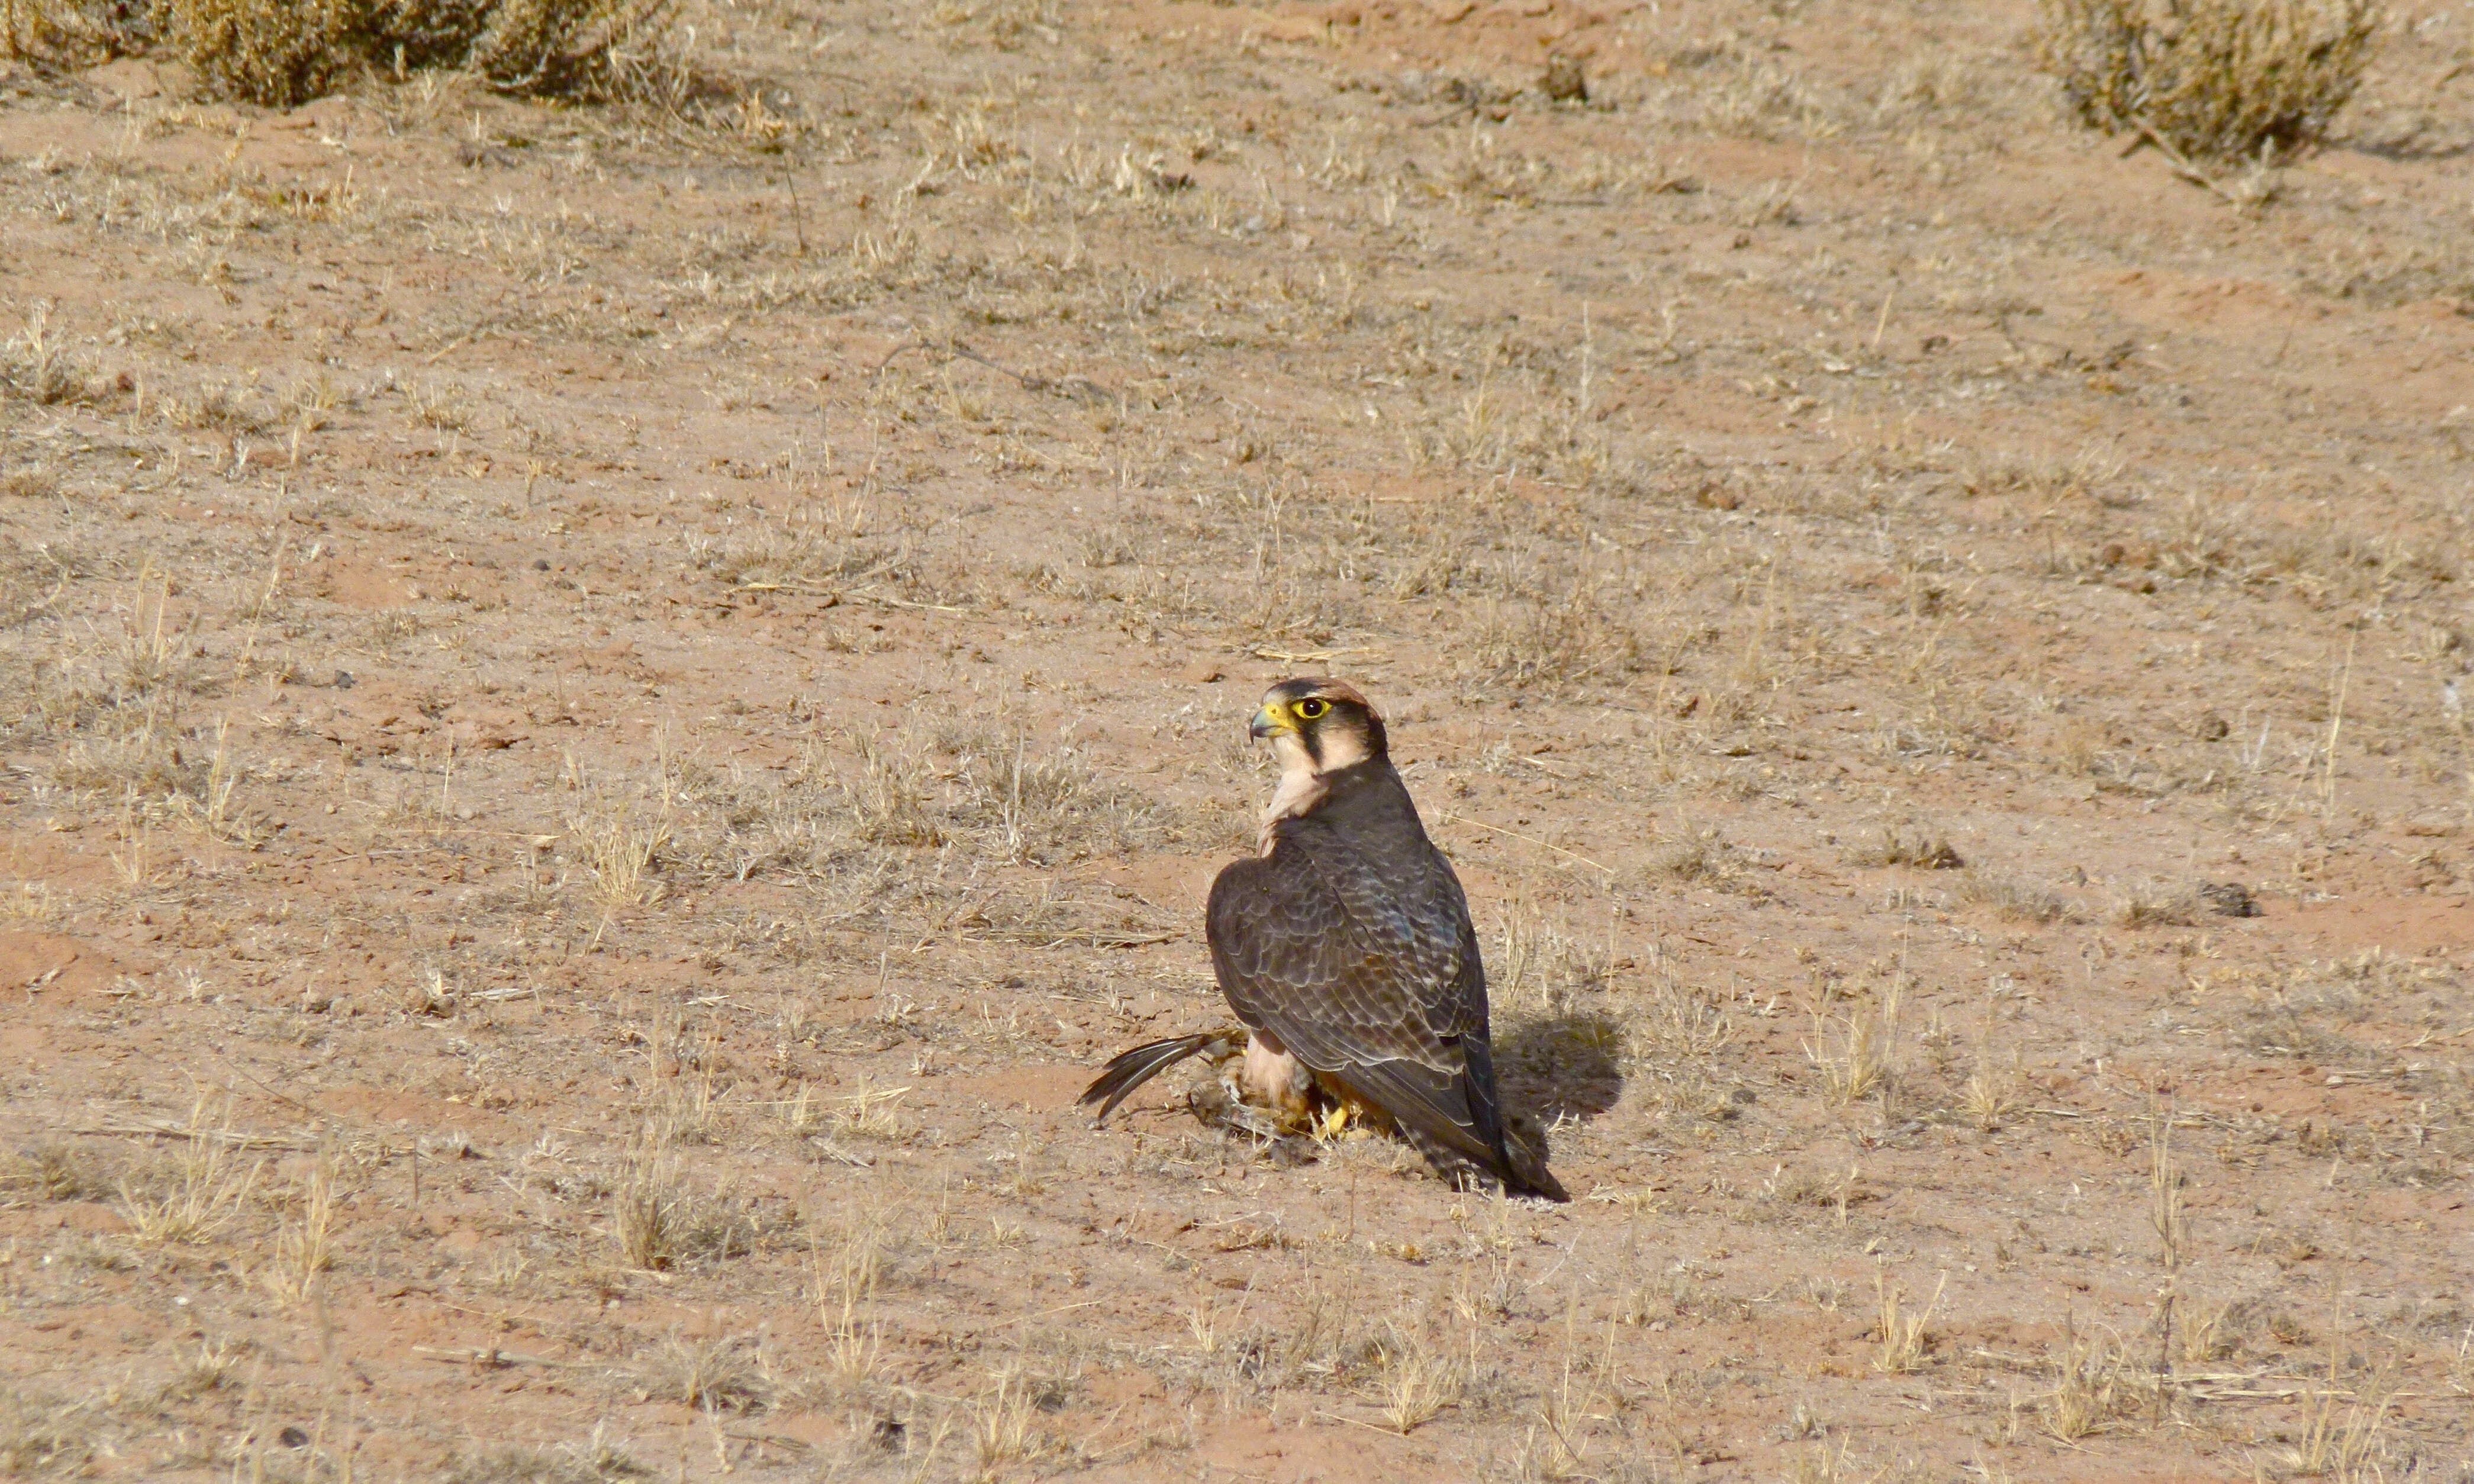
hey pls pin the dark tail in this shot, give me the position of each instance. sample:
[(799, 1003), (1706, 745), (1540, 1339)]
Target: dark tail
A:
[(1520, 1152), (1526, 1172), (1133, 1068)]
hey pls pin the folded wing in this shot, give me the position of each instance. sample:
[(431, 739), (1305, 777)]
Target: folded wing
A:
[(1376, 988)]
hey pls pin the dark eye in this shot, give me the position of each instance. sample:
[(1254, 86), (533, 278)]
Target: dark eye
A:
[(1310, 707)]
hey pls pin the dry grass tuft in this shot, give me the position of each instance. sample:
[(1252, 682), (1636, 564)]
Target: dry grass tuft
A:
[(890, 796), (1991, 1096), (1034, 806), (1680, 1025), (2340, 1436), (648, 1213), (305, 1249), (1904, 1336), (871, 1111), (1000, 1423), (846, 1277), (2091, 1387), (2166, 1210), (2013, 900), (1907, 845), (660, 1223), (724, 1373), (1417, 1382), (1696, 853), (41, 1436), (196, 1196), (2202, 1329), (621, 844), (595, 1459), (1853, 1052), (601, 51), (1555, 644), (2221, 80), (2149, 906), (51, 1172), (34, 364), (1540, 970)]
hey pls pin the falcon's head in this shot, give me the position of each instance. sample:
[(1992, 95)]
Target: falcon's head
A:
[(1320, 726)]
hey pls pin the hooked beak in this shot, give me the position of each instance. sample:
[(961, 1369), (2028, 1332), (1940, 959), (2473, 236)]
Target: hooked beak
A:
[(1266, 723)]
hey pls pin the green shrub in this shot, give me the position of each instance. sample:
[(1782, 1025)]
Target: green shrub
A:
[(2220, 80)]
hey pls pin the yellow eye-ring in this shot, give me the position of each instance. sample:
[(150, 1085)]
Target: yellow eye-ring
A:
[(1313, 707)]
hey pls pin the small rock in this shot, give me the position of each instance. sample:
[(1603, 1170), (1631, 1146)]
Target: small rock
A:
[(1202, 672)]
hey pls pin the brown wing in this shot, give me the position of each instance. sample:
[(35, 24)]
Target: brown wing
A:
[(1374, 987)]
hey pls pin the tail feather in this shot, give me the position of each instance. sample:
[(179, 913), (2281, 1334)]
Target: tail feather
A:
[(1133, 1068), (1525, 1171)]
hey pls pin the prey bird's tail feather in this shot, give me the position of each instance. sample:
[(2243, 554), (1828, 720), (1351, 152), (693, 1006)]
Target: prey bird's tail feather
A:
[(1133, 1068)]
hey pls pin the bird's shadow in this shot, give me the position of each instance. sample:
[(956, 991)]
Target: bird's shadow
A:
[(1562, 1067)]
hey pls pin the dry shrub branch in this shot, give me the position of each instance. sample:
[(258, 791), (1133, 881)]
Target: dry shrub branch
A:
[(2220, 80), (64, 30), (282, 52)]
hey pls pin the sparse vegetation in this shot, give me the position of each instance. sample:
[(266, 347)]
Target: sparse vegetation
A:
[(1990, 1095), (2088, 1390), (1416, 1384), (304, 1246), (195, 1192), (1855, 1051), (638, 695), (710, 1373), (595, 1459), (648, 1213), (2013, 900), (2149, 906), (2168, 1213), (44, 1436), (1903, 1336), (1000, 1424), (1564, 640), (279, 53), (1907, 845), (2211, 80)]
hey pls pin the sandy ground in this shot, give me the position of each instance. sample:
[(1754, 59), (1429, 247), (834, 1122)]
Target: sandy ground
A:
[(607, 717)]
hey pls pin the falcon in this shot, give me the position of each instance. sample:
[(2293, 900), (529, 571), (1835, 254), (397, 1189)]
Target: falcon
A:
[(1344, 947)]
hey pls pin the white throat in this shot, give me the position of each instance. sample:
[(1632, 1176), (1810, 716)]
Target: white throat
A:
[(1302, 784)]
